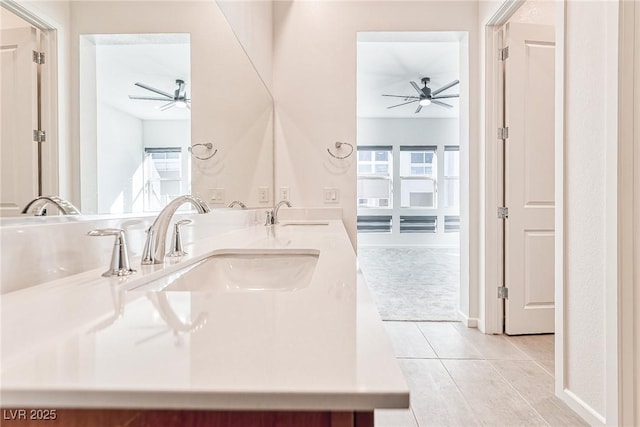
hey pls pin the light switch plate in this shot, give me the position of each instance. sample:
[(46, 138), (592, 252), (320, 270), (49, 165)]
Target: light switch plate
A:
[(263, 194), (284, 193), (216, 195), (331, 195)]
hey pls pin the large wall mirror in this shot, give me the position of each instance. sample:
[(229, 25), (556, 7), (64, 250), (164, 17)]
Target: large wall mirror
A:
[(162, 100)]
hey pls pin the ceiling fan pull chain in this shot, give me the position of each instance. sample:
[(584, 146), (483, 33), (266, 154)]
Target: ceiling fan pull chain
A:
[(338, 145), (208, 146)]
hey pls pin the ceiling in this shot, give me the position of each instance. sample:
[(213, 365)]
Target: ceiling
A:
[(388, 61), (155, 60)]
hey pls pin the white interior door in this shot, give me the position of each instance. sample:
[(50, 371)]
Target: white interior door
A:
[(529, 179), (18, 113)]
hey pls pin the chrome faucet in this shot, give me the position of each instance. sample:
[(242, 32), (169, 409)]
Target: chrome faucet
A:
[(237, 203), (154, 247), (272, 216), (38, 206)]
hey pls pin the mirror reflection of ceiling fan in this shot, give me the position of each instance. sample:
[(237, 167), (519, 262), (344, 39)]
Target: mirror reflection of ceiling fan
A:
[(178, 99), (426, 96)]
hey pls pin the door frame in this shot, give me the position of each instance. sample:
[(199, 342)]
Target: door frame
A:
[(49, 117), (629, 215)]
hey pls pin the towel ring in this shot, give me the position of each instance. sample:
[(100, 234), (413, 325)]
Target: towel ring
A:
[(208, 146), (338, 145)]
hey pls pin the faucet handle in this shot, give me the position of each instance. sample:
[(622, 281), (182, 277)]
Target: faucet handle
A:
[(119, 258), (176, 239), (269, 219)]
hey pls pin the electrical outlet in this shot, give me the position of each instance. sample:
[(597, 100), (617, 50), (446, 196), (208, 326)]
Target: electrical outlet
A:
[(216, 195), (331, 195), (263, 194), (284, 193)]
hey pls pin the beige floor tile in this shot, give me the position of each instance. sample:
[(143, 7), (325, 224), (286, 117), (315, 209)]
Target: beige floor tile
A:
[(536, 386), (491, 347), (548, 365), (394, 418), (447, 341), (408, 341), (492, 399), (435, 399), (537, 347)]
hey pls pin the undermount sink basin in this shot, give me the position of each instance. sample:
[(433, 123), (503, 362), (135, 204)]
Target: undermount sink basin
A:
[(248, 270)]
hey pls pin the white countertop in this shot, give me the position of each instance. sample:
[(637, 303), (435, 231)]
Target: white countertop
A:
[(322, 347)]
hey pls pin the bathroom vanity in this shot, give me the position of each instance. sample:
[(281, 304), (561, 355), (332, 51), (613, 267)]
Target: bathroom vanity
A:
[(262, 325)]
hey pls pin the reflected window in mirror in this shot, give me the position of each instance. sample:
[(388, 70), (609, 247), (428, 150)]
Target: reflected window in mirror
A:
[(164, 177)]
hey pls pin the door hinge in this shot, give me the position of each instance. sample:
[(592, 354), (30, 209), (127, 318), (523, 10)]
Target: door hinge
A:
[(503, 53), (503, 133), (503, 212), (39, 135), (38, 57), (503, 292)]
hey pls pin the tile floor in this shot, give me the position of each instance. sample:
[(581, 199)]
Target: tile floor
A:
[(462, 377)]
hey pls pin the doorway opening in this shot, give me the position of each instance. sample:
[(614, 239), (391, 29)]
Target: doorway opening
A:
[(135, 117), (412, 165), (526, 141)]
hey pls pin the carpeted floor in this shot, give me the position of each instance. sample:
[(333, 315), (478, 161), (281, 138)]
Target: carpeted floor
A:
[(412, 283)]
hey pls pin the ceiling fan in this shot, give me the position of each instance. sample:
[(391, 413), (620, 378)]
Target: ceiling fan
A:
[(178, 99), (426, 96)]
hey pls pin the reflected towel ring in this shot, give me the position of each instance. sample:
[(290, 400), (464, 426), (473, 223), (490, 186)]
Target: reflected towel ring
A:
[(208, 146), (338, 145)]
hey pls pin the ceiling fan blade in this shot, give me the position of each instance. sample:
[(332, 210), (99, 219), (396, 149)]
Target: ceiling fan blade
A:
[(148, 98), (152, 89), (445, 87), (404, 103), (417, 88), (405, 97), (167, 106), (418, 109), (442, 104), (446, 96)]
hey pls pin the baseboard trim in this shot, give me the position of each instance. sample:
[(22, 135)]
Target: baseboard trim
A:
[(580, 407), (469, 322)]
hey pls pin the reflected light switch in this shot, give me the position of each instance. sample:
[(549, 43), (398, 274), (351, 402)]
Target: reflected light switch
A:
[(216, 195), (331, 195)]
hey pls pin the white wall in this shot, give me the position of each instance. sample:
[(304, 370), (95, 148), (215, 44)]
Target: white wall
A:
[(314, 85), (119, 171), (590, 183), (252, 22)]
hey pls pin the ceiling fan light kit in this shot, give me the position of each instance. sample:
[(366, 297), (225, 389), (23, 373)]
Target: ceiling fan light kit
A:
[(426, 96), (178, 99)]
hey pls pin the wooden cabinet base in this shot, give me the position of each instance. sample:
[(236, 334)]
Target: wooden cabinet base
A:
[(155, 418)]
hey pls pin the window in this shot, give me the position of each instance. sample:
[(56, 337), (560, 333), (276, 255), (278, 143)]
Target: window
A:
[(162, 176), (451, 178), (451, 223), (418, 224), (418, 176), (374, 176), (374, 223)]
